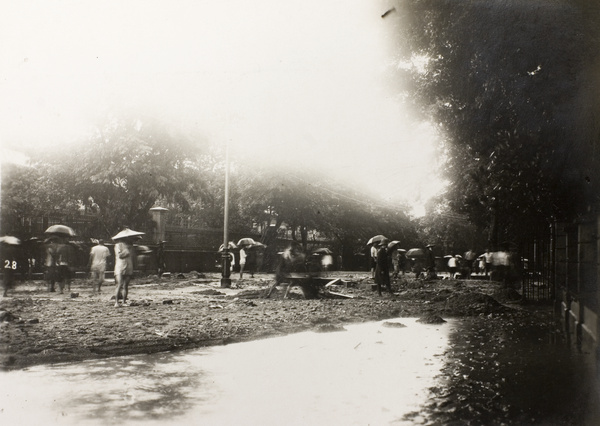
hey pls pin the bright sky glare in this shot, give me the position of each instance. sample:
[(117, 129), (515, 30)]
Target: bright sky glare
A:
[(299, 82)]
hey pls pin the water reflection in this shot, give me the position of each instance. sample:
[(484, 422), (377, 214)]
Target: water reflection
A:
[(502, 371), (110, 391), (369, 374)]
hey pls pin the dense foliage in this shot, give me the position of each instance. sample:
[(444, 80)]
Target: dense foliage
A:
[(513, 86)]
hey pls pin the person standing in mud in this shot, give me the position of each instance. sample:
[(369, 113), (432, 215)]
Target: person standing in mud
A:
[(63, 267), (160, 258), (373, 259), (429, 261), (396, 263), (243, 257), (51, 262), (97, 264), (10, 263), (488, 256), (124, 253), (382, 270)]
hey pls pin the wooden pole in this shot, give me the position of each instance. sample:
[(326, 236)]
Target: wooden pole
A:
[(226, 272)]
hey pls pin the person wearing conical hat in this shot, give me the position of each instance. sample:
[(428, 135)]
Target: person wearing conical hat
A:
[(123, 267)]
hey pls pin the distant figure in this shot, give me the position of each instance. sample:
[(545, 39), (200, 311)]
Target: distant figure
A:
[(481, 264), (326, 262), (51, 262), (63, 268), (10, 263), (160, 258), (373, 259), (396, 263), (97, 264), (382, 270), (291, 260), (252, 261), (243, 256), (501, 264), (429, 261), (123, 268), (489, 257), (470, 259), (452, 265)]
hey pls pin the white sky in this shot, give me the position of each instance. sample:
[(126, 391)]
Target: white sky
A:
[(281, 81)]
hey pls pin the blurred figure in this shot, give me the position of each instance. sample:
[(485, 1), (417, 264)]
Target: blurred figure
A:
[(429, 262), (373, 259), (489, 257), (452, 265), (97, 264), (396, 260), (382, 270), (243, 256), (252, 260), (470, 259), (160, 258), (143, 259), (63, 267), (501, 265), (481, 264), (51, 262), (9, 255), (326, 262), (291, 260)]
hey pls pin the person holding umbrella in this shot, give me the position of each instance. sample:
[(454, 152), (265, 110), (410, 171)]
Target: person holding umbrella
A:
[(382, 270), (373, 259), (124, 253), (58, 256)]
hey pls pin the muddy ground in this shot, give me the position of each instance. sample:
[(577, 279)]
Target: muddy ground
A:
[(192, 310)]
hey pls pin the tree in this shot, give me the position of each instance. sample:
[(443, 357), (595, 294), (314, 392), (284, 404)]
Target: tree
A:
[(504, 82), (307, 201), (30, 192), (125, 167)]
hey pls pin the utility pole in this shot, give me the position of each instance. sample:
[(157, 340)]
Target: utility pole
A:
[(226, 272)]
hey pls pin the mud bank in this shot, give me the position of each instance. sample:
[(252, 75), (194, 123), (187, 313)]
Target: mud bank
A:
[(192, 311)]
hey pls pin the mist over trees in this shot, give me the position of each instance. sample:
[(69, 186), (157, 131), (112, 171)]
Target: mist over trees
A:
[(514, 88), (128, 165)]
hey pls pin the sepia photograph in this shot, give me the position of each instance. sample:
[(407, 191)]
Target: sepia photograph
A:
[(327, 212)]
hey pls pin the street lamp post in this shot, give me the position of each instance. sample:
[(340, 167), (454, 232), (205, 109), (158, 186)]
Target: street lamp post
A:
[(226, 272)]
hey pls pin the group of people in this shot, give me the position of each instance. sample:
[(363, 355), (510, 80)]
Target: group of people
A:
[(381, 255), (59, 257)]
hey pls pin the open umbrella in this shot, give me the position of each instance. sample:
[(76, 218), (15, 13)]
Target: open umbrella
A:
[(63, 230), (415, 252), (323, 250), (376, 239), (246, 242), (257, 246), (230, 246), (128, 233), (393, 244), (10, 240)]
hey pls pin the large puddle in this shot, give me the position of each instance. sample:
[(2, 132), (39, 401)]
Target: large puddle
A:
[(369, 374)]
